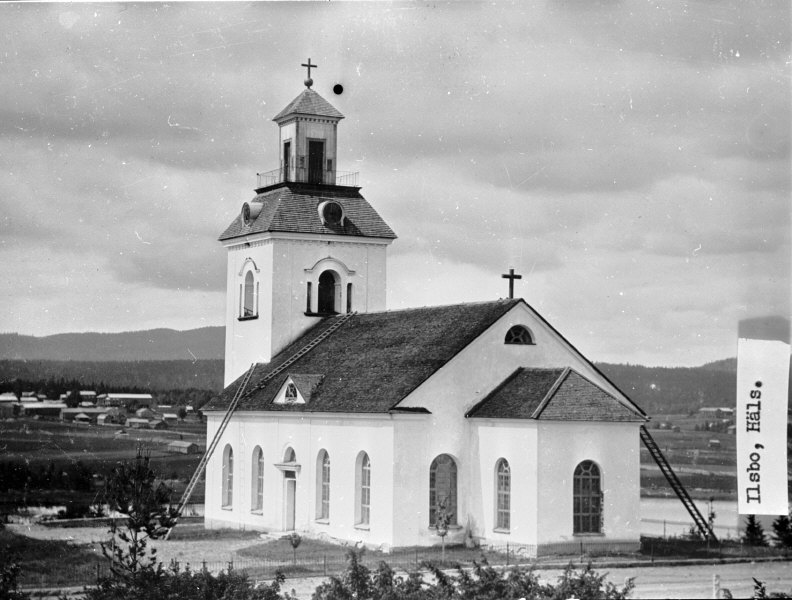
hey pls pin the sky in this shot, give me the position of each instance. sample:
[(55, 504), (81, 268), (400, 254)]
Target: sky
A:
[(631, 159)]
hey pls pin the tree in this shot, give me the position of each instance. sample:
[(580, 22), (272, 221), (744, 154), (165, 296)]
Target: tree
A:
[(133, 489), (182, 413), (754, 532), (782, 532)]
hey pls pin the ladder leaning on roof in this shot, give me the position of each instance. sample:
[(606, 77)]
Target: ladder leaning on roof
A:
[(242, 393), (676, 485)]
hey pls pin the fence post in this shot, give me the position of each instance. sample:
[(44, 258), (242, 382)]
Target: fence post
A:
[(97, 572), (324, 564), (203, 566), (416, 557), (507, 554)]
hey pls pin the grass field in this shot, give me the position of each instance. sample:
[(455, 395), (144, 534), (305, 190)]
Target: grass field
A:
[(37, 443)]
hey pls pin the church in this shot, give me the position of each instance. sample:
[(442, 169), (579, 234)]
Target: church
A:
[(358, 424)]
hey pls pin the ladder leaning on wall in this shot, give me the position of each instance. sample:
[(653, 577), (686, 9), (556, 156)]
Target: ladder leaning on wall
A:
[(241, 393), (701, 523)]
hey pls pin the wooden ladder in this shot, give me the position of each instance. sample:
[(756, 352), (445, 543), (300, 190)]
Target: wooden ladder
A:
[(701, 523), (242, 393)]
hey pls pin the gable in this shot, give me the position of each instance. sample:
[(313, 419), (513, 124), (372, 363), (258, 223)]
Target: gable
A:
[(493, 357)]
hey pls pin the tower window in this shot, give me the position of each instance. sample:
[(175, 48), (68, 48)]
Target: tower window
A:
[(248, 296), (328, 293), (518, 335)]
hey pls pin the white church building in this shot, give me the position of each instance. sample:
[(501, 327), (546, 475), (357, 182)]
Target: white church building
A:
[(479, 413)]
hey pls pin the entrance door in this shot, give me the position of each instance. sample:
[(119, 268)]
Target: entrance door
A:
[(315, 162), (289, 498), (286, 160)]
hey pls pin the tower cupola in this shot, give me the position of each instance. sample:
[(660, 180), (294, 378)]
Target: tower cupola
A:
[(308, 141)]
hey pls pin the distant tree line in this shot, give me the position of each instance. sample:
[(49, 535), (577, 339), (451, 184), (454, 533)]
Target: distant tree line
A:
[(175, 382), (147, 376)]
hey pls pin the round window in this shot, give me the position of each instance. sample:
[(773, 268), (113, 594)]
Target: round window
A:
[(332, 213)]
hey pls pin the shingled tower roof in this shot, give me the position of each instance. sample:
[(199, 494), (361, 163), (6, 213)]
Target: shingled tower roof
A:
[(309, 103)]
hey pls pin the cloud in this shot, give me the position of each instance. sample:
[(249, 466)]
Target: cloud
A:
[(630, 159)]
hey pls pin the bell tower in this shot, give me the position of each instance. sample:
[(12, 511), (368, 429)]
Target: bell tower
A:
[(307, 246)]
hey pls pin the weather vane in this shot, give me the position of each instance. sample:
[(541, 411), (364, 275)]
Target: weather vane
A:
[(309, 81)]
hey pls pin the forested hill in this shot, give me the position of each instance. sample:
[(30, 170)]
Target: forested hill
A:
[(165, 359), (152, 344), (676, 389)]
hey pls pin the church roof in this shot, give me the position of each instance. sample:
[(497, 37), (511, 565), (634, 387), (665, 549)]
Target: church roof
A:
[(374, 360), (552, 395), (293, 207), (309, 103)]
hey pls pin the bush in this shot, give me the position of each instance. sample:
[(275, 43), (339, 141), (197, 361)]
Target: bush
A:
[(483, 582)]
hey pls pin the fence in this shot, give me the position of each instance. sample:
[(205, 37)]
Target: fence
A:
[(334, 560)]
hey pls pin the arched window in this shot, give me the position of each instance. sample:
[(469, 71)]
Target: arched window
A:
[(249, 307), (503, 495), (518, 335), (587, 498), (363, 490), (328, 293), (443, 489), (323, 486), (257, 481), (228, 477)]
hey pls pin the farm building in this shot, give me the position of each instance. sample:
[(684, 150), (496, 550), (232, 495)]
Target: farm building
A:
[(7, 409), (716, 412), (170, 418), (8, 397), (157, 424), (83, 418), (144, 413), (136, 423), (182, 447), (109, 418), (44, 410), (88, 396), (70, 414), (125, 400)]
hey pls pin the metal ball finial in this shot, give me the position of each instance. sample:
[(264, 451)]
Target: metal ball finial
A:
[(308, 82)]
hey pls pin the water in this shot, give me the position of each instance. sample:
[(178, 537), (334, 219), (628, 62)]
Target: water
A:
[(668, 517)]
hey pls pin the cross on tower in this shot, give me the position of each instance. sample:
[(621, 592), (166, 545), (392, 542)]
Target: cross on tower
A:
[(309, 66), (511, 277)]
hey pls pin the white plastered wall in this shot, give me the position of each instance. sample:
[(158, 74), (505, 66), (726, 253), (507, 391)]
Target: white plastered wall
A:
[(614, 447), (282, 307), (307, 435)]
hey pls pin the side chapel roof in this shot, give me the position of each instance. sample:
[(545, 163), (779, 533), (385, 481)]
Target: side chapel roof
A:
[(293, 207), (374, 360), (554, 395)]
